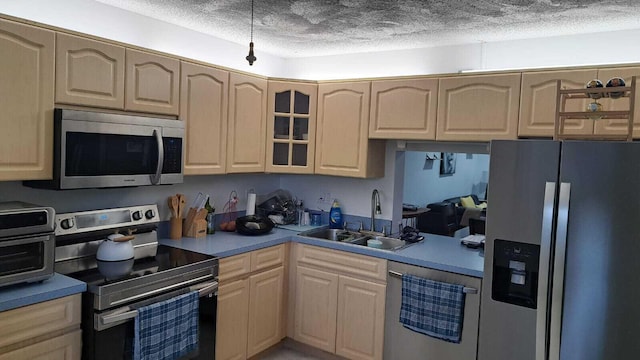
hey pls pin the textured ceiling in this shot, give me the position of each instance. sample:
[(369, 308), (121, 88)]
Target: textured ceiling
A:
[(297, 28)]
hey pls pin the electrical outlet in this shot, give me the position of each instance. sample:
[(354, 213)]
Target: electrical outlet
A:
[(324, 198)]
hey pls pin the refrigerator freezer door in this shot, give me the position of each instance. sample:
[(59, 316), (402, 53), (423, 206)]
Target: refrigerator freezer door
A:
[(601, 303), (519, 171)]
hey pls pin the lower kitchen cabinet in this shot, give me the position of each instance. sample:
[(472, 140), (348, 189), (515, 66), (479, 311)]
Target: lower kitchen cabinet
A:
[(232, 320), (250, 303), (360, 328), (47, 330), (316, 308), (265, 310), (339, 302)]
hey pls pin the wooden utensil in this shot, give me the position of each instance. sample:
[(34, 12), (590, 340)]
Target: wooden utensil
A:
[(181, 202), (175, 205), (171, 208)]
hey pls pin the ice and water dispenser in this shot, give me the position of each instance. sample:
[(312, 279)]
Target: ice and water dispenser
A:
[(515, 273)]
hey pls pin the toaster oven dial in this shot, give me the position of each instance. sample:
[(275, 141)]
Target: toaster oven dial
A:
[(67, 223), (150, 214), (137, 215)]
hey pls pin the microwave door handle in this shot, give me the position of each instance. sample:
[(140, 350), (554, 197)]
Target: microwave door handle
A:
[(155, 178)]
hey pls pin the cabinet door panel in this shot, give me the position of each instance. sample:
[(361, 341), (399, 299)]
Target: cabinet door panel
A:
[(291, 127), (63, 347), (232, 320), (478, 108), (247, 124), (203, 108), (538, 103), (360, 330), (265, 310), (152, 83), (316, 307), (615, 126), (404, 109), (26, 100), (89, 72), (342, 145)]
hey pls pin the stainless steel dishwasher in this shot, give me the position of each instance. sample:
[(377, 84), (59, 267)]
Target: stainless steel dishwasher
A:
[(402, 343)]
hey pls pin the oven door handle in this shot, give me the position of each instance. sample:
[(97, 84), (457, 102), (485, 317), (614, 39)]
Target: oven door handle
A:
[(204, 289)]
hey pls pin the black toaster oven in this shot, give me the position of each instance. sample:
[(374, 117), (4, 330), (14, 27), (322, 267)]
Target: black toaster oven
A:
[(27, 242)]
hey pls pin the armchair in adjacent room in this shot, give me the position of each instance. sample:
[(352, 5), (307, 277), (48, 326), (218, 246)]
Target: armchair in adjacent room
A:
[(441, 219)]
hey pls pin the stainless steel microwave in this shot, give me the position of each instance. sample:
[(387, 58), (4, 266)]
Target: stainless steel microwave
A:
[(98, 150)]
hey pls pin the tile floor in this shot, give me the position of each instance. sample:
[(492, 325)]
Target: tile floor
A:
[(292, 350)]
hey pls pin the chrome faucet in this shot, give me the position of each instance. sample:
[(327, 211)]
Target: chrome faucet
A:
[(375, 208)]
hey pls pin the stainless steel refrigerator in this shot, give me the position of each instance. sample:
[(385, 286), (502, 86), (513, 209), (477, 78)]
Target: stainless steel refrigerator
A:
[(562, 270)]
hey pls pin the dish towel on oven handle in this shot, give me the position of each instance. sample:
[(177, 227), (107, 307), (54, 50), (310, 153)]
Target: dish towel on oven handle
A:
[(167, 329), (432, 308)]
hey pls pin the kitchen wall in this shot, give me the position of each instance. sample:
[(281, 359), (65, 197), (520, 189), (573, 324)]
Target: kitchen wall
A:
[(423, 183), (353, 194)]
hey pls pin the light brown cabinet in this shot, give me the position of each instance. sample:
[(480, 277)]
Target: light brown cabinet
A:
[(343, 147), (247, 126), (47, 330), (404, 109), (538, 102), (203, 108), (232, 320), (250, 303), (152, 83), (27, 88), (478, 108), (291, 127), (89, 72), (339, 301)]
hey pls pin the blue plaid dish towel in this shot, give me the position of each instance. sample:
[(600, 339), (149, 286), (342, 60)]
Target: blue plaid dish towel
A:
[(432, 307), (167, 329)]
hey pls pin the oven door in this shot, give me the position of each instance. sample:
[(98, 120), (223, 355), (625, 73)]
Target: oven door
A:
[(108, 335), (26, 259), (104, 154)]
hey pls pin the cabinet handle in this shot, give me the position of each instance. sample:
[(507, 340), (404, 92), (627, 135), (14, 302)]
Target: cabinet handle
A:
[(466, 289)]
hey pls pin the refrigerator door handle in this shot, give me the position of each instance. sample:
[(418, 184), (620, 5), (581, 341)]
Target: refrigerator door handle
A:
[(543, 271), (555, 322)]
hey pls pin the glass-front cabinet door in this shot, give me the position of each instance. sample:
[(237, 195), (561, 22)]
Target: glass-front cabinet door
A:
[(291, 127)]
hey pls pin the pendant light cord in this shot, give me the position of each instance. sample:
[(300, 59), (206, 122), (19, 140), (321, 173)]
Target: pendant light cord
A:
[(251, 20)]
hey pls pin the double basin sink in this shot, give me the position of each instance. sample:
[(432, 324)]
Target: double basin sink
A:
[(357, 238)]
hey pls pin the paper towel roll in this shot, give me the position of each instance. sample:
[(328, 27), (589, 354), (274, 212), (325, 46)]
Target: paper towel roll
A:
[(251, 204)]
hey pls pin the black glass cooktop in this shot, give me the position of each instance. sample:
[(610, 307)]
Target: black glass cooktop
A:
[(98, 273)]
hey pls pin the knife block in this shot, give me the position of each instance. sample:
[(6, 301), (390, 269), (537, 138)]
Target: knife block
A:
[(197, 229), (195, 225)]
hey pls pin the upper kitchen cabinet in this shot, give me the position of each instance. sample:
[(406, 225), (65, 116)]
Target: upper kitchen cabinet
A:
[(203, 108), (538, 102), (404, 109), (247, 131), (152, 83), (478, 108), (89, 72), (291, 127), (342, 144), (26, 100), (615, 126)]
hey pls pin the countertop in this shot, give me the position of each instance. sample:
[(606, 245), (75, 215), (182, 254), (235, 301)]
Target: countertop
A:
[(57, 286), (435, 252)]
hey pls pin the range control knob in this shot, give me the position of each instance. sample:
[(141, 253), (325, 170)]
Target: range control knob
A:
[(137, 215), (67, 223), (150, 214)]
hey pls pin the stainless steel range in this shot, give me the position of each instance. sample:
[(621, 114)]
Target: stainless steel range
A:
[(115, 289)]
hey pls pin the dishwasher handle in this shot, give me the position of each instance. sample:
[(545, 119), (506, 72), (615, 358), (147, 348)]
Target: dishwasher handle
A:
[(466, 289), (126, 313)]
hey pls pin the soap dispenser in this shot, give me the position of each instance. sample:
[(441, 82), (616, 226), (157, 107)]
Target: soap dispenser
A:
[(335, 216)]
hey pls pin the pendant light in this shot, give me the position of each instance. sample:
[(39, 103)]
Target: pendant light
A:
[(251, 57)]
